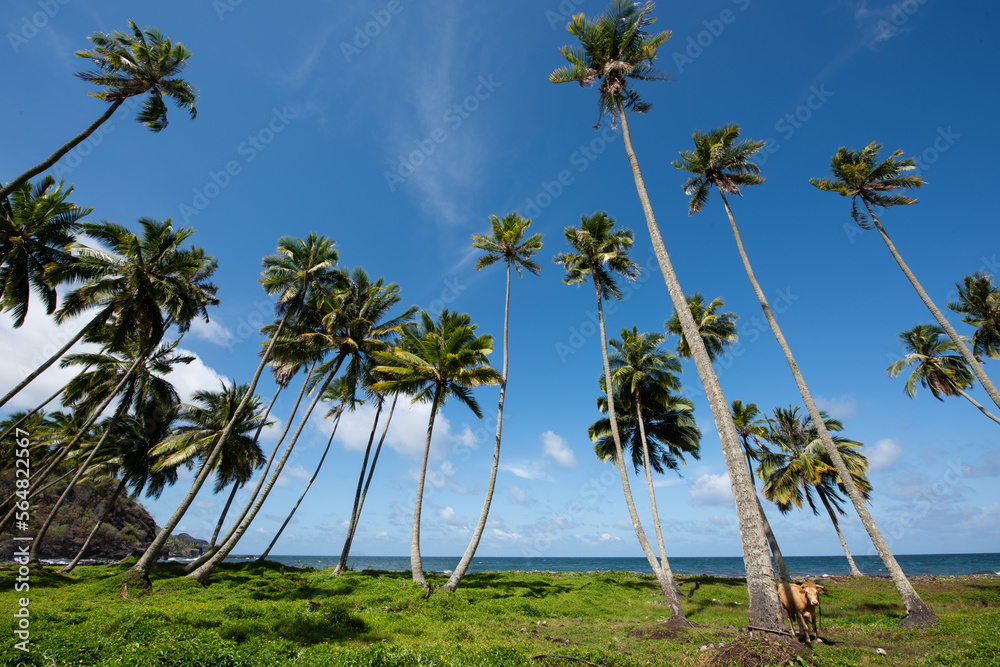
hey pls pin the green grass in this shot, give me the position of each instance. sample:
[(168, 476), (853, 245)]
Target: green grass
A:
[(264, 615)]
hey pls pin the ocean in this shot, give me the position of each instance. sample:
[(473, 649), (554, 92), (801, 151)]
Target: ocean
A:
[(800, 566)]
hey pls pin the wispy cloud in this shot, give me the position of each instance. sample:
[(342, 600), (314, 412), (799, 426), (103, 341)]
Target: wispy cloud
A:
[(555, 447)]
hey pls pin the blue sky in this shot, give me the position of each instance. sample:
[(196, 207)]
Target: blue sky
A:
[(397, 128)]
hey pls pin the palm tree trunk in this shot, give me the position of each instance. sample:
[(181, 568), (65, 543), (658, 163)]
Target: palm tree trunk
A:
[(960, 345), (197, 562), (152, 553), (52, 159), (31, 414), (477, 534), (416, 566), (9, 517), (779, 560), (356, 516), (201, 574), (352, 524), (319, 465), (222, 517), (855, 572), (665, 586), (918, 614), (764, 611), (104, 514), (36, 544), (103, 315), (671, 589), (977, 404)]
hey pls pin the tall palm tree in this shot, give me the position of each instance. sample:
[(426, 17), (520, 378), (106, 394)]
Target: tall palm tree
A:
[(979, 301), (128, 65), (654, 425), (927, 350), (291, 274), (717, 330), (719, 160), (860, 176), (752, 429), (355, 323), (434, 361), (599, 252), (801, 466), (36, 225), (617, 48), (505, 243)]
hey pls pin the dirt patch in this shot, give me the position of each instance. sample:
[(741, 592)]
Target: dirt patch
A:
[(666, 630), (752, 651)]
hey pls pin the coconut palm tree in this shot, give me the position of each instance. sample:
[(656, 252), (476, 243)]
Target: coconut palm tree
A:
[(654, 425), (616, 49), (36, 225), (860, 176), (717, 330), (979, 301), (298, 268), (927, 351), (355, 324), (128, 65), (599, 252), (801, 466), (719, 160), (435, 360), (505, 243)]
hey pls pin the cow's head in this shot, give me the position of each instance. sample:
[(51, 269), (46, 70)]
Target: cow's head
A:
[(812, 591)]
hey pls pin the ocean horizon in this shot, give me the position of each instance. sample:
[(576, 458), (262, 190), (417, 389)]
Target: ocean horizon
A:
[(718, 566)]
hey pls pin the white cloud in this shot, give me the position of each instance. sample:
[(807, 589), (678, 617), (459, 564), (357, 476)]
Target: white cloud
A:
[(407, 430), (556, 447), (838, 407), (196, 376), (506, 537), (449, 516), (289, 473), (211, 331), (883, 455), (520, 496), (526, 470), (711, 489)]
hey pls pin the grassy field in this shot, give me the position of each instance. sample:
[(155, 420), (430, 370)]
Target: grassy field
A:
[(264, 615)]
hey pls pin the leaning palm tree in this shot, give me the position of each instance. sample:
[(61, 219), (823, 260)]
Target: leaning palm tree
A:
[(128, 65), (860, 176), (935, 366), (800, 466), (505, 243), (599, 252), (722, 162), (615, 49), (979, 302), (434, 361), (297, 269), (36, 225), (717, 330)]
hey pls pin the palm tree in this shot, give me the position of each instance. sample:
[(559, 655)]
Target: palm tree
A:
[(434, 361), (506, 242), (616, 48), (719, 161), (979, 301), (801, 466), (752, 428), (927, 350), (600, 252), (292, 273), (126, 66), (36, 225), (859, 175), (655, 426), (355, 324), (717, 330)]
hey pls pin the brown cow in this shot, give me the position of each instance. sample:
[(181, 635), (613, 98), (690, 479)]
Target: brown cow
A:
[(803, 605)]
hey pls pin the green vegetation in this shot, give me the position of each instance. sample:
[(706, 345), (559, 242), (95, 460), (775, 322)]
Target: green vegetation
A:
[(266, 614)]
